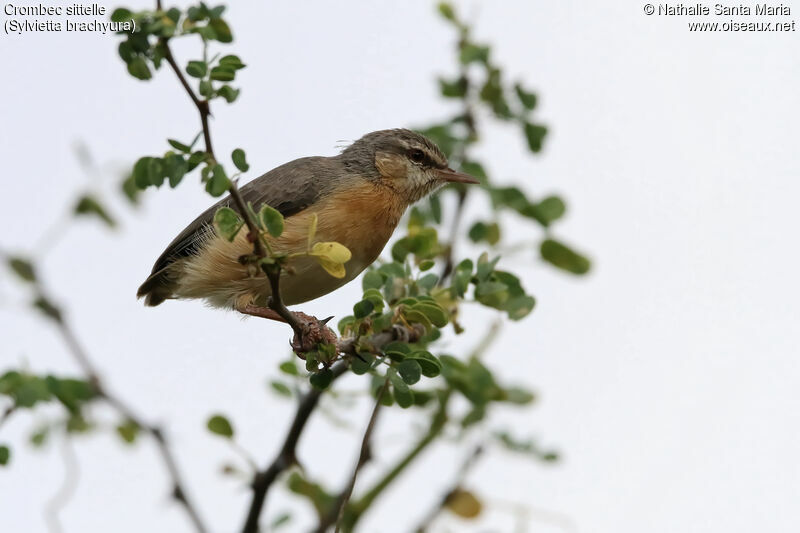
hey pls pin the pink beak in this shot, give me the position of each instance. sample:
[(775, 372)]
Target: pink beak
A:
[(448, 174)]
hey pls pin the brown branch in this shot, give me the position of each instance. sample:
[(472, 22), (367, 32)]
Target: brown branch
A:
[(201, 105), (336, 515), (467, 465), (287, 455), (438, 421), (80, 355)]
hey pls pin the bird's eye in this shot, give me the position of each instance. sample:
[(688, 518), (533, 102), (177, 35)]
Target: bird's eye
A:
[(417, 156)]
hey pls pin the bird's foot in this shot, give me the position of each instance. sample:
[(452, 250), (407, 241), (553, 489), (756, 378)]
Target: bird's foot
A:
[(312, 332)]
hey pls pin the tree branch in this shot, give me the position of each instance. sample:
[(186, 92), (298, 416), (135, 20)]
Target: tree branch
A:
[(438, 421), (80, 355), (202, 105), (336, 514), (469, 462), (287, 455)]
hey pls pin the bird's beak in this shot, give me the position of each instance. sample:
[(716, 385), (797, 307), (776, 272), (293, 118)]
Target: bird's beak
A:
[(448, 174)]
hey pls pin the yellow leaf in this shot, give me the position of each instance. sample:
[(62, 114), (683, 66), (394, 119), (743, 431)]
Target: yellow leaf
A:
[(464, 504), (333, 251), (312, 229), (331, 267)]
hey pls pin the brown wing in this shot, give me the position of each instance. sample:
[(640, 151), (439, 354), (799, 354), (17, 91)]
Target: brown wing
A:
[(289, 188)]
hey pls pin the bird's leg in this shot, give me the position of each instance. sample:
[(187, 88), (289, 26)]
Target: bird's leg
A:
[(261, 312), (312, 330)]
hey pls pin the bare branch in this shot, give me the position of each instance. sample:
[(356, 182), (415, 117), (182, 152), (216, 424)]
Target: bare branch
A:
[(338, 510), (467, 465), (80, 355), (287, 455), (65, 491)]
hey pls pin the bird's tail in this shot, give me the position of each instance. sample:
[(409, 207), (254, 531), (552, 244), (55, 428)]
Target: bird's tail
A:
[(158, 287)]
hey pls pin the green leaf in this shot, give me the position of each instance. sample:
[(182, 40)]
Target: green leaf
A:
[(220, 425), (121, 15), (430, 365), (222, 30), (518, 307), (223, 74), (518, 396), (130, 190), (87, 205), (491, 293), (179, 146), (137, 67), (128, 431), (5, 454), (281, 388), (410, 370), (471, 53), (175, 168), (363, 308), (446, 10), (205, 88), (196, 69), (322, 379), (290, 368), (535, 134), (551, 208), (485, 267), (239, 160), (402, 394), (195, 159), (271, 219), (563, 257), (47, 308), (227, 223), (219, 182), (22, 268), (228, 93), (527, 99), (433, 312), (453, 89), (481, 231), (232, 61), (372, 280)]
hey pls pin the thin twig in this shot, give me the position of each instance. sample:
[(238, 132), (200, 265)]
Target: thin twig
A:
[(466, 466), (338, 510), (438, 421), (286, 456), (201, 105), (80, 355), (65, 491)]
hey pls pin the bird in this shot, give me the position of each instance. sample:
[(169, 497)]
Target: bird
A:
[(357, 198)]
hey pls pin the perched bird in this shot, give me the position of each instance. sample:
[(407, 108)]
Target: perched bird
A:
[(358, 197)]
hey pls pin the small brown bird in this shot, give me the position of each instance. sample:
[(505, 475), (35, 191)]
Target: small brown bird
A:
[(358, 197)]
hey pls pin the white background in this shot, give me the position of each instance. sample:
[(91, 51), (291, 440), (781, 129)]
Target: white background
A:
[(667, 377)]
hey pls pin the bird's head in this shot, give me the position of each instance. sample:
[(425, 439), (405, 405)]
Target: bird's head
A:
[(405, 161)]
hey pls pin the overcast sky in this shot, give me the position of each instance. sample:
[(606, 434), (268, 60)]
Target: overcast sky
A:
[(667, 378)]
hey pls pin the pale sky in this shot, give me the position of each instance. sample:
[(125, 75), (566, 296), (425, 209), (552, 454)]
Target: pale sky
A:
[(667, 377)]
